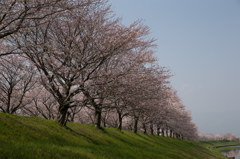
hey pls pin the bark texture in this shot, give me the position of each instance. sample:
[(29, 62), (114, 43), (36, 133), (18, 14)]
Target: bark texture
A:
[(97, 118), (162, 131), (61, 115), (119, 122), (151, 128), (135, 124), (158, 131)]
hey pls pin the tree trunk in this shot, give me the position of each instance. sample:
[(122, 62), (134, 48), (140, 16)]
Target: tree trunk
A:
[(162, 132), (104, 122), (119, 127), (68, 113), (144, 128), (72, 117), (158, 130), (97, 117), (171, 135), (151, 128), (178, 136), (167, 131), (61, 115), (135, 124), (9, 100)]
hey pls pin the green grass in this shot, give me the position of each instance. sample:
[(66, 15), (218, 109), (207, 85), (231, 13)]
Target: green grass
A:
[(211, 144), (216, 143), (33, 137)]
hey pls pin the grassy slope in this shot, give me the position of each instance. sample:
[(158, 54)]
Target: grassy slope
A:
[(211, 144), (216, 143), (32, 137)]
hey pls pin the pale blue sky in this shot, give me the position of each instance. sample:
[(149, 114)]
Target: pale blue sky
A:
[(199, 40)]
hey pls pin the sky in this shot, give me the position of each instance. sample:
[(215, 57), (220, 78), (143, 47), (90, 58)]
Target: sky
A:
[(199, 40)]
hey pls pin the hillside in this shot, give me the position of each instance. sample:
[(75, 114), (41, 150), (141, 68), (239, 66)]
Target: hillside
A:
[(33, 137)]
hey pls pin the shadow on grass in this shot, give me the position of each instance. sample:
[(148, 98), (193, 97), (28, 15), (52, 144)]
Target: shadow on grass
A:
[(90, 140)]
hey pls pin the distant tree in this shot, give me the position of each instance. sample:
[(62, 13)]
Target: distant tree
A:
[(206, 137), (17, 79), (42, 104), (140, 93)]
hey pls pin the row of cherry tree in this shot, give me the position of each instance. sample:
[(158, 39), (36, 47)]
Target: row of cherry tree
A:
[(75, 61), (227, 136)]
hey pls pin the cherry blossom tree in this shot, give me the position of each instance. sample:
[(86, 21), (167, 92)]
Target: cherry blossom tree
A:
[(68, 51), (141, 93), (90, 68), (42, 104), (19, 14), (179, 120), (17, 78), (85, 116), (206, 137)]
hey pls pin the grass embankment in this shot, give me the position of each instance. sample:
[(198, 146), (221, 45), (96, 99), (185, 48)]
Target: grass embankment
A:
[(211, 145), (33, 137), (218, 143)]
